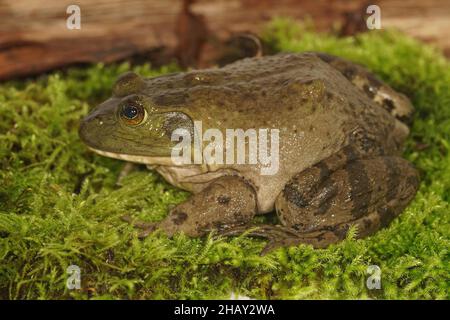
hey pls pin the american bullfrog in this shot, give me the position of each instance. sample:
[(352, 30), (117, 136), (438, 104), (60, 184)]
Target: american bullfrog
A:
[(340, 129)]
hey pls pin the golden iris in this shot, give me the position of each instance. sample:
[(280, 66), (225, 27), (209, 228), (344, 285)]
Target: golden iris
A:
[(132, 114)]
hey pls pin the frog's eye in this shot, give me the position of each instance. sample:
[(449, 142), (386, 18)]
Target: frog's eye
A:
[(132, 113)]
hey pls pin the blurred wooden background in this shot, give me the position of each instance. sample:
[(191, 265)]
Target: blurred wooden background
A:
[(34, 37)]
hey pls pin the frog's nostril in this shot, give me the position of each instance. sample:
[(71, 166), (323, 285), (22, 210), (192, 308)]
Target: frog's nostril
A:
[(99, 121)]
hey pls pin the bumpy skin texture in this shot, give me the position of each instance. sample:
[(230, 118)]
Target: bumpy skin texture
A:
[(341, 132)]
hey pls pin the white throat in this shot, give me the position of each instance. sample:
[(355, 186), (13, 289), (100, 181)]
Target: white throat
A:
[(148, 160)]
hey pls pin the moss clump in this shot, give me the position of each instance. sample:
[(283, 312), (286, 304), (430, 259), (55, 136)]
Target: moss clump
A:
[(59, 204)]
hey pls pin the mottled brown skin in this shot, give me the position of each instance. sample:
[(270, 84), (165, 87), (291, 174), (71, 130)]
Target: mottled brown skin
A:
[(341, 134)]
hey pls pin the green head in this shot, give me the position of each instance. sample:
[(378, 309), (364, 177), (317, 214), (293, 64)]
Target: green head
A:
[(132, 123)]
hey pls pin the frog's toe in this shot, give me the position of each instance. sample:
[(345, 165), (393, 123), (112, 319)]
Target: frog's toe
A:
[(261, 230), (146, 227), (290, 238), (124, 172), (145, 232), (278, 235)]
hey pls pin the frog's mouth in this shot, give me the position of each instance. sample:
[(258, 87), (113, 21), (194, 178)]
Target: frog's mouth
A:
[(148, 160)]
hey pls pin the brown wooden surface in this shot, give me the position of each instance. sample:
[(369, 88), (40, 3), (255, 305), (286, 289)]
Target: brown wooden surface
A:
[(34, 37)]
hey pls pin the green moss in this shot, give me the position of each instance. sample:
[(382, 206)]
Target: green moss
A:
[(59, 204)]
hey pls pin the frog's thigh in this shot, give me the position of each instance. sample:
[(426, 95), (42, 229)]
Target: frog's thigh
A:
[(323, 204), (228, 201)]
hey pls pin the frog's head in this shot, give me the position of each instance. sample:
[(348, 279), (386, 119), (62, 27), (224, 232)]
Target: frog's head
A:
[(130, 125)]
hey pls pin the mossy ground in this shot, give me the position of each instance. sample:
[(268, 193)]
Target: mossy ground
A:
[(59, 204)]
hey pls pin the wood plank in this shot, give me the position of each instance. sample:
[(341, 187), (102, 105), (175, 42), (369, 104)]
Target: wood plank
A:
[(34, 37)]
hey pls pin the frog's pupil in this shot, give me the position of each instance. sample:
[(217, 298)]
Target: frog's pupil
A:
[(130, 112)]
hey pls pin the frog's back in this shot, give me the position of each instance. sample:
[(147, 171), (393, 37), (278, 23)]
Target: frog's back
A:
[(271, 91), (252, 86), (315, 107)]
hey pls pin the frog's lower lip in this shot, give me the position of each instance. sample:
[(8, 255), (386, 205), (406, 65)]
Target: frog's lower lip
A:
[(134, 158)]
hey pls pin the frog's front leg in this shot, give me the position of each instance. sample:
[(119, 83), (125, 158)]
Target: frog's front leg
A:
[(319, 205), (127, 168), (226, 202)]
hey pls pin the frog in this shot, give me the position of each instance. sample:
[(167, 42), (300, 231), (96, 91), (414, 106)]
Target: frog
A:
[(341, 136)]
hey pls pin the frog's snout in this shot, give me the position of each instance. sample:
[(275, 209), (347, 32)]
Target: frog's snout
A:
[(93, 131), (85, 130), (98, 123)]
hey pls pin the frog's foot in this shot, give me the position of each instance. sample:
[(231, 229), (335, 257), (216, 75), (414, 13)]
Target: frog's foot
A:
[(227, 201), (397, 104), (240, 46), (145, 227), (324, 201), (278, 235)]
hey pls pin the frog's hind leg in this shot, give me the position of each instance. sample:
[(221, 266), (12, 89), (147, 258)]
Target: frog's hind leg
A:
[(394, 102), (320, 204)]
